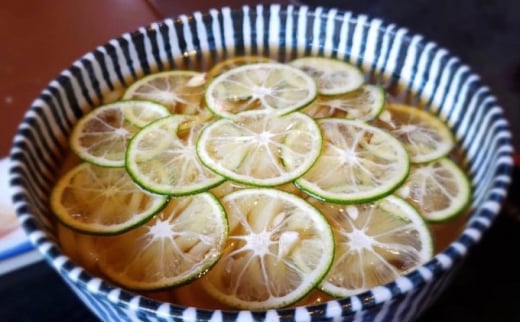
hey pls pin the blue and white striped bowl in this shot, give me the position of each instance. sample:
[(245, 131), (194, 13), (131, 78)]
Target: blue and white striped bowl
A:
[(390, 55)]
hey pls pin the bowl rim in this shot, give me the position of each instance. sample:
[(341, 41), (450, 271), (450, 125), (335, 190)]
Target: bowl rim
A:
[(480, 219)]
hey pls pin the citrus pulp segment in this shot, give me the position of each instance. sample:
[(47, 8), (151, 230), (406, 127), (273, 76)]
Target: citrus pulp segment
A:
[(358, 163), (375, 243), (176, 246), (102, 200), (162, 158), (439, 190), (268, 230), (101, 136), (362, 104), (424, 136), (181, 91), (265, 86), (333, 76), (261, 148)]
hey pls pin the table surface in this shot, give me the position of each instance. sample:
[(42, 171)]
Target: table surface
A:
[(43, 37)]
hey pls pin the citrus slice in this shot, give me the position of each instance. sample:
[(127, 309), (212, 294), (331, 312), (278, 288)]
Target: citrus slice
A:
[(261, 148), (102, 200), (362, 104), (162, 158), (181, 91), (176, 246), (333, 76), (237, 61), (268, 86), (268, 230), (439, 190), (375, 243), (101, 136), (358, 163), (424, 136)]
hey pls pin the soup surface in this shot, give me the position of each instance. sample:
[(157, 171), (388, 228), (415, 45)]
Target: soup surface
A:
[(259, 185)]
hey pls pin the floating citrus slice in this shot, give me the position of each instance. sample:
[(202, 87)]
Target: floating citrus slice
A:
[(424, 136), (177, 245), (162, 158), (261, 148), (236, 61), (439, 190), (102, 200), (362, 104), (268, 230), (358, 163), (375, 244), (101, 136), (267, 86), (333, 76), (180, 90)]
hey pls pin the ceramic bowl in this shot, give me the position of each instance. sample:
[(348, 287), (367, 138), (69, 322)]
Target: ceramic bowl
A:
[(390, 55)]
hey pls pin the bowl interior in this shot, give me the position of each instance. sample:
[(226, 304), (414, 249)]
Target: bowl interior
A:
[(418, 71)]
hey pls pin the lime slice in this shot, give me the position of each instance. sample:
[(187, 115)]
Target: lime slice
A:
[(102, 200), (162, 158), (439, 190), (101, 136), (424, 136), (141, 113), (364, 104), (268, 230), (176, 246), (267, 86), (358, 163), (261, 148), (333, 76), (180, 90), (237, 61), (375, 243)]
